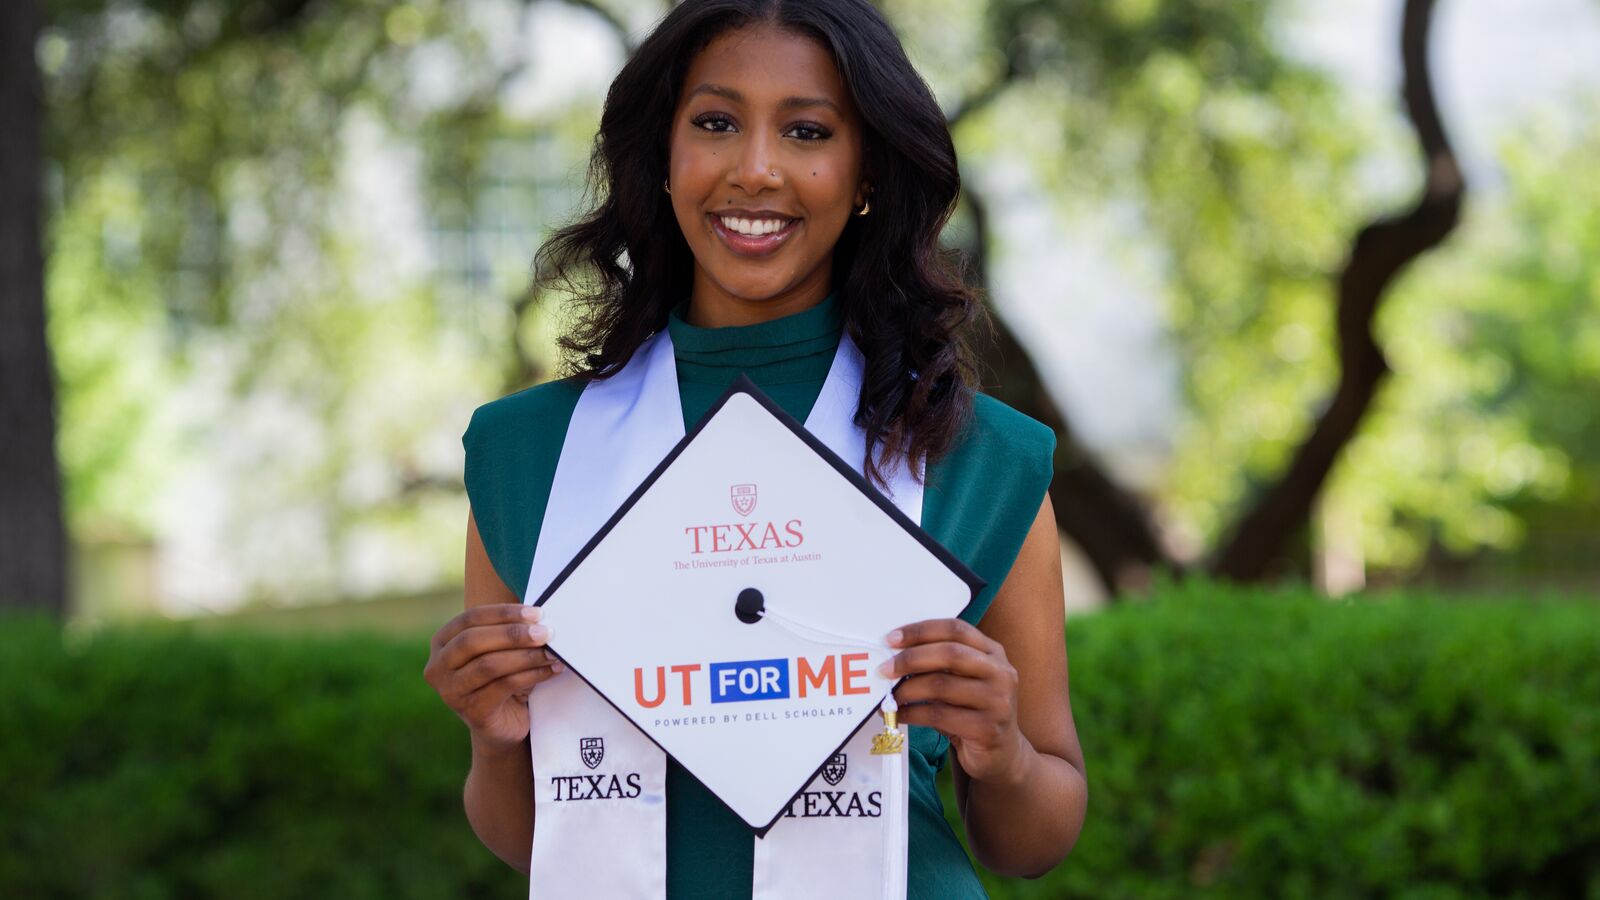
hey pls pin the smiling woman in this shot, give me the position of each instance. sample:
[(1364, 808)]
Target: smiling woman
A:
[(767, 117), (772, 179), (769, 112)]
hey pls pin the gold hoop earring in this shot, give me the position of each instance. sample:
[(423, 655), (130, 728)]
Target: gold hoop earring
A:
[(864, 207)]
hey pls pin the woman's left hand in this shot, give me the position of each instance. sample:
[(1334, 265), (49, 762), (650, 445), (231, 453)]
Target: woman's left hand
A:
[(961, 684)]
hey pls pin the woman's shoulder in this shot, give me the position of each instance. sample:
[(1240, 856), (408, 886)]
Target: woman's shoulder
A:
[(532, 412), (998, 428), (512, 445), (984, 494), (998, 444), (1002, 459)]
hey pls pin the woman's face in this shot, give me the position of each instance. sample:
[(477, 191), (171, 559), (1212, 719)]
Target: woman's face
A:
[(765, 172)]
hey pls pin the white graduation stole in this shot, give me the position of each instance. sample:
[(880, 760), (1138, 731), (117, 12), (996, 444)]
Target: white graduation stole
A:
[(600, 785)]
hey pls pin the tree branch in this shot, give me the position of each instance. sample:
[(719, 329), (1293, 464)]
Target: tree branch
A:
[(1109, 524), (611, 19), (982, 97), (259, 18), (525, 368), (1380, 251)]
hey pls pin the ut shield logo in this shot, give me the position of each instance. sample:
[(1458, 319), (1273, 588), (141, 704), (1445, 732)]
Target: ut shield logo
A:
[(833, 770), (744, 498), (592, 751)]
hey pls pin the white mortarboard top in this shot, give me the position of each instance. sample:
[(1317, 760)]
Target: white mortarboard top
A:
[(734, 608)]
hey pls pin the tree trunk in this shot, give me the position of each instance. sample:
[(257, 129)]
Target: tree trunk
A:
[(32, 539), (1377, 256), (1109, 524)]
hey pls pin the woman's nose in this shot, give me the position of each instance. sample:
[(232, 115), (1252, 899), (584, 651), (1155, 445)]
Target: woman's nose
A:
[(755, 166)]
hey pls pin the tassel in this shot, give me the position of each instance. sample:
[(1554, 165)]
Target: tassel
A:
[(890, 744)]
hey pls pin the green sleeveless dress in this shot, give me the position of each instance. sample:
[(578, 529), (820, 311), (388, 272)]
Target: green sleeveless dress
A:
[(980, 501)]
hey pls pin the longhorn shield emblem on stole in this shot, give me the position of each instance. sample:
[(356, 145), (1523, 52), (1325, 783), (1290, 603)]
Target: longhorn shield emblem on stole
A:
[(833, 769), (592, 751), (744, 498)]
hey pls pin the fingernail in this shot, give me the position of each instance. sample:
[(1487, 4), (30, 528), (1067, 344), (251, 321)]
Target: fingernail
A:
[(886, 668), (539, 632), (532, 613), (895, 637), (558, 667)]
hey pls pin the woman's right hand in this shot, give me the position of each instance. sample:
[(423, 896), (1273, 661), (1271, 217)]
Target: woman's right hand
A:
[(484, 662)]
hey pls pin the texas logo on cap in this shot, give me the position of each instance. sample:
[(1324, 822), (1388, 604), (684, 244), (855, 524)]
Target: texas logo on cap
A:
[(744, 498)]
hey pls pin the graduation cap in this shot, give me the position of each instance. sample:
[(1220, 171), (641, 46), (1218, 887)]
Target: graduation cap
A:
[(734, 608)]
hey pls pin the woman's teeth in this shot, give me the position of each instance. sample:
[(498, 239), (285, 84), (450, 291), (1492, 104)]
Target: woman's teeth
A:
[(753, 227)]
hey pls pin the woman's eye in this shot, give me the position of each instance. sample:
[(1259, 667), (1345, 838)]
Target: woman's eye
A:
[(810, 132), (721, 124), (704, 121)]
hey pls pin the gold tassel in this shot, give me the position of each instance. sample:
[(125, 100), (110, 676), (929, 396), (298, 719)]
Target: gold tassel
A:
[(890, 740)]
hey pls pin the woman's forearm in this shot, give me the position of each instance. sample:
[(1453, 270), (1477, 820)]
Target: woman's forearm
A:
[(1025, 826), (499, 801)]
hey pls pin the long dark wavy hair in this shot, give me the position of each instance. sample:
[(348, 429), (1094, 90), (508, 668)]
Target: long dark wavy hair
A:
[(903, 299)]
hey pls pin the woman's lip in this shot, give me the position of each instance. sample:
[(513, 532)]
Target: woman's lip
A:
[(745, 245)]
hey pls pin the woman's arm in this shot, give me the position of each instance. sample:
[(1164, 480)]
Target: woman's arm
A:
[(1027, 823), (499, 792), (999, 692)]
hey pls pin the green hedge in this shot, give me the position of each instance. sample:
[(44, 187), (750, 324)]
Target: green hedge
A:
[(1238, 745), (151, 765), (1279, 745)]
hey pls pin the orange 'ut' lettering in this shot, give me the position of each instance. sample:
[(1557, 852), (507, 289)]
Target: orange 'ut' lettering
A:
[(684, 671), (661, 685)]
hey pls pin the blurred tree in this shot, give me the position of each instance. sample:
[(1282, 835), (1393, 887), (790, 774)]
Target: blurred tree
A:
[(1377, 255), (199, 148), (1490, 434), (32, 542), (1536, 325), (1199, 81), (1241, 167), (219, 165)]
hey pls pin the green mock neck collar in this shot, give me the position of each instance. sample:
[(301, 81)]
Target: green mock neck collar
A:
[(818, 321), (794, 348)]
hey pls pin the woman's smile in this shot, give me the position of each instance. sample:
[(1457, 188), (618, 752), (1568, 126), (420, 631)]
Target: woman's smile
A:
[(753, 236)]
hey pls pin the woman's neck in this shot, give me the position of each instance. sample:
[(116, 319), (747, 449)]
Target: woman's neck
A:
[(710, 306)]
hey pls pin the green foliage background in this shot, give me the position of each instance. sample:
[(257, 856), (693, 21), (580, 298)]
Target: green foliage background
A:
[(228, 314), (1238, 744)]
